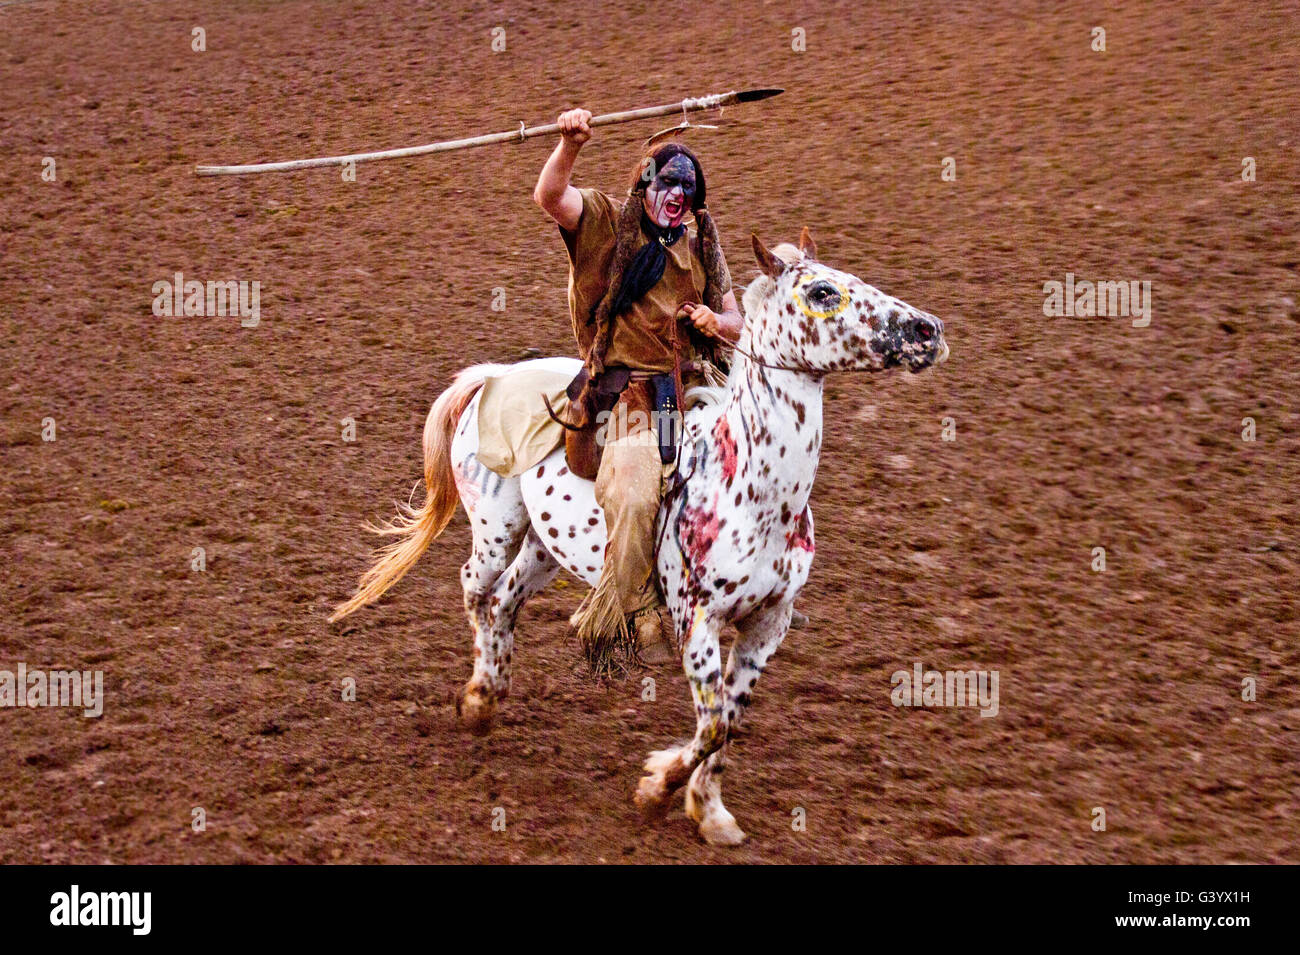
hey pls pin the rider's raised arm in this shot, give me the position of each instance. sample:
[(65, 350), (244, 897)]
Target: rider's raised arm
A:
[(553, 193)]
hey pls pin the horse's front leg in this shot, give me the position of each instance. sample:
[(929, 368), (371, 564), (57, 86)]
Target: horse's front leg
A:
[(668, 769), (760, 635)]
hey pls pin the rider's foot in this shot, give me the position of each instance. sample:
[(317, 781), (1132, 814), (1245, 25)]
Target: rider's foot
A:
[(654, 643), (798, 620)]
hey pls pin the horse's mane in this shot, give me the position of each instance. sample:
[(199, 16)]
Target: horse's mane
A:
[(701, 396), (788, 253)]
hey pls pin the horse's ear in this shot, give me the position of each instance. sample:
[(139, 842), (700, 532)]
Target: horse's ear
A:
[(806, 244), (770, 265)]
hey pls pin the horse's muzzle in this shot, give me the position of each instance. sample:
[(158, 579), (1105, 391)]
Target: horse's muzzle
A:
[(923, 341)]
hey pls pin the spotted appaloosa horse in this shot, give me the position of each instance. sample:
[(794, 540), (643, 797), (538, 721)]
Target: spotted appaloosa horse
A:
[(736, 537)]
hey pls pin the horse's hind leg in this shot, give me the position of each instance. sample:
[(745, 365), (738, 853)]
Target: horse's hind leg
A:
[(494, 641), (760, 635), (499, 522)]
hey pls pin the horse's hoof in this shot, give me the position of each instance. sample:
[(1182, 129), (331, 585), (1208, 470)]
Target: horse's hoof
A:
[(720, 829), (651, 797), (477, 711), (656, 786)]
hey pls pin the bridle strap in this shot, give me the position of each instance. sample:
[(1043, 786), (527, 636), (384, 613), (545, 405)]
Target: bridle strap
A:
[(768, 364)]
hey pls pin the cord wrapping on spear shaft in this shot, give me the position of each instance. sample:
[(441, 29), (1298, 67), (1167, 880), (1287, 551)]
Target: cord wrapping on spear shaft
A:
[(702, 102)]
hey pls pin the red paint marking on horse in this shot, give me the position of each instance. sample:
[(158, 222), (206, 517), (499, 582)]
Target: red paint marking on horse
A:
[(726, 446), (699, 532), (466, 486), (799, 537)]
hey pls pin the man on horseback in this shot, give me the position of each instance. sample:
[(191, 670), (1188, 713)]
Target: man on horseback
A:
[(649, 296)]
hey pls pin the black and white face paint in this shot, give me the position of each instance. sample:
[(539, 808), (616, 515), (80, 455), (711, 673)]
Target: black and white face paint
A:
[(670, 195)]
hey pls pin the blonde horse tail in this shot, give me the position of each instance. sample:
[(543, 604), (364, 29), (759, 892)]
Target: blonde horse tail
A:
[(418, 527)]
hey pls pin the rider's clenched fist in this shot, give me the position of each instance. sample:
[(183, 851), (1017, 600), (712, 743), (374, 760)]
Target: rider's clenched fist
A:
[(574, 125)]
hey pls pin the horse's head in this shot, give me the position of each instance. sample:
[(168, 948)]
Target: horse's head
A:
[(803, 315)]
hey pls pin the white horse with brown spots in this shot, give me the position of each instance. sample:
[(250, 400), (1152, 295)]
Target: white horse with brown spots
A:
[(736, 535)]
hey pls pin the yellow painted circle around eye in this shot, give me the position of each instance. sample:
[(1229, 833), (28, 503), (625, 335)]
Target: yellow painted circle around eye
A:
[(811, 312)]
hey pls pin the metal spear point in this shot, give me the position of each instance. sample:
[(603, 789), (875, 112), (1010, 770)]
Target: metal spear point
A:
[(688, 105)]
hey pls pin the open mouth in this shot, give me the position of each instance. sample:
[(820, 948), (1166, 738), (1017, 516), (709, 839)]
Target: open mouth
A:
[(673, 208)]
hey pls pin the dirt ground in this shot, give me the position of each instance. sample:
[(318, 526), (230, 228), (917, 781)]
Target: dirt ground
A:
[(1120, 690)]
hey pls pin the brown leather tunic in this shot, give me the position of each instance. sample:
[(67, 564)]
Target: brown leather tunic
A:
[(641, 337)]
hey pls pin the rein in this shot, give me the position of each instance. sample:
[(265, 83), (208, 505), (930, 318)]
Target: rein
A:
[(767, 364)]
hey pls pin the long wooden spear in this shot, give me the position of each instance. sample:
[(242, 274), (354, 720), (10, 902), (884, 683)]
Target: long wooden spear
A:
[(688, 105)]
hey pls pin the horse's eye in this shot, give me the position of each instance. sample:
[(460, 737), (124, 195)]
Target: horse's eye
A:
[(823, 295)]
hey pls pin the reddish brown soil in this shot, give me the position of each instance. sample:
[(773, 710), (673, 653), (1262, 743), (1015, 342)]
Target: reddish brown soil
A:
[(1119, 690)]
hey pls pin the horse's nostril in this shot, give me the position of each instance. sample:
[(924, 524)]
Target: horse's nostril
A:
[(924, 330)]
